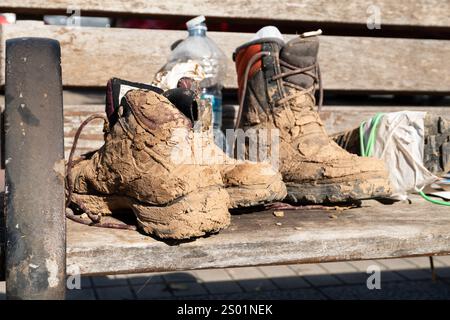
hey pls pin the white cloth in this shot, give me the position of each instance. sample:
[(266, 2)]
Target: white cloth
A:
[(400, 143)]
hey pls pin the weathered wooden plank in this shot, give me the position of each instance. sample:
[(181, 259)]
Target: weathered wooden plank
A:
[(336, 119), (92, 135), (341, 118), (90, 56), (400, 12), (372, 232)]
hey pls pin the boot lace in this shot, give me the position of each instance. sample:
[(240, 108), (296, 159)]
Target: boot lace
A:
[(293, 70), (309, 71), (95, 220), (250, 63)]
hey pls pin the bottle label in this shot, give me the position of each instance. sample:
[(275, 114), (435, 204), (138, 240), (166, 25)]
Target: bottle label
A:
[(216, 103)]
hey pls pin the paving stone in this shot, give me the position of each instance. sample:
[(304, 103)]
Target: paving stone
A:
[(323, 280), (299, 294), (108, 281), (308, 269), (213, 275), (349, 292), (245, 273), (338, 267), (316, 275), (443, 272), (416, 290), (362, 265), (142, 278), (185, 289), (445, 260), (353, 277), (417, 274), (406, 269), (397, 264), (277, 271), (389, 276), (284, 277), (386, 275), (424, 262), (152, 291), (261, 284), (288, 283), (223, 287), (185, 276), (80, 294), (86, 282), (115, 293)]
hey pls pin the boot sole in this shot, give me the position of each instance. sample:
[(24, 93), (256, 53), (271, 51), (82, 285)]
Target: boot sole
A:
[(332, 192), (255, 195), (436, 151), (193, 215)]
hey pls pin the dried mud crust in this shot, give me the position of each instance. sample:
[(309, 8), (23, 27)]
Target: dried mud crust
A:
[(352, 189), (254, 195), (252, 184), (193, 215)]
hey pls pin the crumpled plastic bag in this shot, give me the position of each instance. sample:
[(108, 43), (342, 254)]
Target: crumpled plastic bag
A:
[(400, 143)]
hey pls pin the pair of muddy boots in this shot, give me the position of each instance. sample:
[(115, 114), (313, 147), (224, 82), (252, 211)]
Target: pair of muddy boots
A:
[(149, 164), (160, 161)]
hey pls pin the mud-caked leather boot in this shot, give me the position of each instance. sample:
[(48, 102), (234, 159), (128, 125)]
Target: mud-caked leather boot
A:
[(135, 169), (248, 183), (436, 152), (277, 82)]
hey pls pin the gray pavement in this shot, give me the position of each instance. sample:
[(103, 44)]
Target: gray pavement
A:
[(399, 279)]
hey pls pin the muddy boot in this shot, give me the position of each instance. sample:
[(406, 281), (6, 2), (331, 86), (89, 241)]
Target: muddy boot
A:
[(135, 170), (248, 183), (436, 153), (277, 82)]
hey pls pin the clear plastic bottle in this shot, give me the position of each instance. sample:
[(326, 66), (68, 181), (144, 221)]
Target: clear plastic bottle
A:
[(199, 48)]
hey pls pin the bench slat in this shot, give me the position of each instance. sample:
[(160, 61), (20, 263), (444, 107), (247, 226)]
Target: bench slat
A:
[(90, 56), (374, 231), (400, 12), (336, 119)]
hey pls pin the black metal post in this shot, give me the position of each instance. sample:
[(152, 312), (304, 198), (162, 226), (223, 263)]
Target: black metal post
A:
[(34, 158)]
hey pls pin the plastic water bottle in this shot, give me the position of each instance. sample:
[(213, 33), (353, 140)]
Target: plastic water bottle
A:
[(199, 48)]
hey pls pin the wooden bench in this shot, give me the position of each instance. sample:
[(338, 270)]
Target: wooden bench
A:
[(355, 61)]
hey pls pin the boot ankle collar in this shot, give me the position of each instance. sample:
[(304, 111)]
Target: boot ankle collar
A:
[(280, 42)]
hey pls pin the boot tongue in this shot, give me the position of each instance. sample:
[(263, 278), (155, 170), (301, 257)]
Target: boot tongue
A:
[(300, 53), (184, 100)]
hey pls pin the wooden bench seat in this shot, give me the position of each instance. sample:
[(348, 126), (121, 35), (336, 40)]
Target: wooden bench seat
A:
[(373, 231)]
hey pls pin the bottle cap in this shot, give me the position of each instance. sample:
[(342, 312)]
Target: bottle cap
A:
[(196, 22), (311, 34)]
